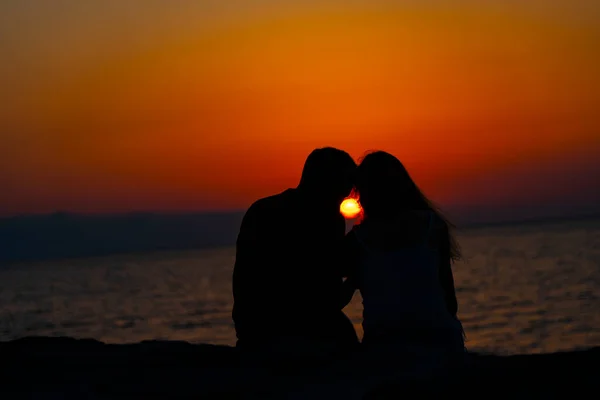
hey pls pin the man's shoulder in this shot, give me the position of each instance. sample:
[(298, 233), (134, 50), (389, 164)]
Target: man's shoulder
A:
[(270, 204)]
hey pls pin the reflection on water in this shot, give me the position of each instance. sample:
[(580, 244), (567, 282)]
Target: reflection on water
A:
[(524, 289)]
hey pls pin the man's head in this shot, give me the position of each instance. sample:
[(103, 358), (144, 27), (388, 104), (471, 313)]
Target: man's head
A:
[(329, 174)]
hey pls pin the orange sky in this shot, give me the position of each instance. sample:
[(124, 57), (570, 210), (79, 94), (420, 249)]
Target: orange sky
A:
[(154, 105)]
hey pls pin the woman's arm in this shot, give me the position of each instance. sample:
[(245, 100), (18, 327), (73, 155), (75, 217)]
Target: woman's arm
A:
[(448, 285), (446, 276)]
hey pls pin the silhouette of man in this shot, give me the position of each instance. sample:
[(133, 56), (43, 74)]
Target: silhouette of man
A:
[(287, 279)]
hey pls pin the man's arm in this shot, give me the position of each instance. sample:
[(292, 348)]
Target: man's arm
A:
[(350, 257), (246, 257), (347, 291)]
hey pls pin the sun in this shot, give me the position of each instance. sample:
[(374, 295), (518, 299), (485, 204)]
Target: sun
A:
[(350, 208)]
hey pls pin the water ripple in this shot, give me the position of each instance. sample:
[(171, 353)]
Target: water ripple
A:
[(521, 290)]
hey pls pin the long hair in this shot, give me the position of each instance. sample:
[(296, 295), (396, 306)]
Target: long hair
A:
[(385, 188)]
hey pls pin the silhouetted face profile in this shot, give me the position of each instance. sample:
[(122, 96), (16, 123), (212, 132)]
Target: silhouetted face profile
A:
[(385, 187), (328, 175)]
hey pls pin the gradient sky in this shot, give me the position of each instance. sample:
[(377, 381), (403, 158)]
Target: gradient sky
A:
[(200, 105)]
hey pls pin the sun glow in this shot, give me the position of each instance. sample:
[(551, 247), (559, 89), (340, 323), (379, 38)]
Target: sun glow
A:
[(350, 208)]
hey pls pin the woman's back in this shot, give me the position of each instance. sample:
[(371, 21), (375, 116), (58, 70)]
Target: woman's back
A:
[(398, 276)]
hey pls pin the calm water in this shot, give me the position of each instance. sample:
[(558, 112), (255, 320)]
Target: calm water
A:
[(524, 289)]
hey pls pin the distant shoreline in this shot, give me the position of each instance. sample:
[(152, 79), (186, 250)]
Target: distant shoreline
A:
[(139, 215), (530, 221)]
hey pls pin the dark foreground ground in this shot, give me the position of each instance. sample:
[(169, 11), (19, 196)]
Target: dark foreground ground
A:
[(65, 368)]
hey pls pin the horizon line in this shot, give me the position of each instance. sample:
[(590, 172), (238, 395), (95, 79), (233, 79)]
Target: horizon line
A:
[(481, 222)]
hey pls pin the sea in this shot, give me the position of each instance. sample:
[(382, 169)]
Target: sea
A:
[(522, 288)]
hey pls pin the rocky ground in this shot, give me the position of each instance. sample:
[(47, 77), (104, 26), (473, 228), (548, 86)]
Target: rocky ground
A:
[(66, 368)]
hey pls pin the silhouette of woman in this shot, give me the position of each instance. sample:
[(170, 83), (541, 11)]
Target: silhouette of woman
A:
[(402, 253)]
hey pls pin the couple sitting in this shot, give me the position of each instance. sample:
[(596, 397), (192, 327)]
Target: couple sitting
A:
[(296, 268)]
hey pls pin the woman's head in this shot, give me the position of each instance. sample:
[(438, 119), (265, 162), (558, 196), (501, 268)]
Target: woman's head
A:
[(386, 189), (385, 186)]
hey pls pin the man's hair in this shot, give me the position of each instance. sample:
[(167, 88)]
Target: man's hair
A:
[(327, 167)]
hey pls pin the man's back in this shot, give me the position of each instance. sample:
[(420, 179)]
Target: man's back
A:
[(287, 273)]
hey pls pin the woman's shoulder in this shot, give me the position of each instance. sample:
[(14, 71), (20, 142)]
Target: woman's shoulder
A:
[(409, 228)]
